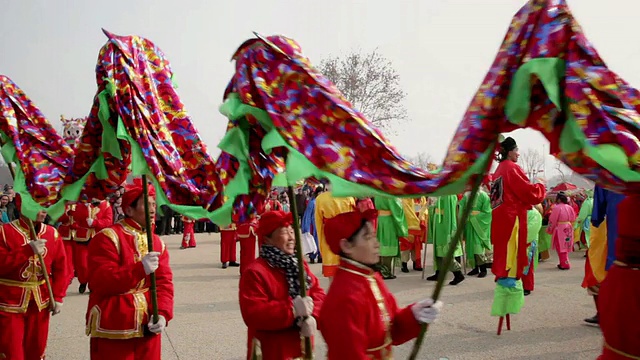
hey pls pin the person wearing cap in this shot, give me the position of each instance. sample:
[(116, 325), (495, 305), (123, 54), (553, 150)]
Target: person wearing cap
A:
[(443, 223), (619, 297), (328, 206), (561, 229), (360, 318), (25, 306), (276, 315), (119, 313), (88, 218), (477, 232)]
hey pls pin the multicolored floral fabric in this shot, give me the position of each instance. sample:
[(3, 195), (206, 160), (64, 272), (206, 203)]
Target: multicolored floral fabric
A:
[(30, 141), (139, 125)]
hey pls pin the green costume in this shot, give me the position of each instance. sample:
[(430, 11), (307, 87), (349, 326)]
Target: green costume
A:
[(442, 226), (391, 226), (534, 224), (477, 231), (583, 222)]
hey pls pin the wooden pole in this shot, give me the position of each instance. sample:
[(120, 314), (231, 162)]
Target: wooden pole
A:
[(450, 254), (45, 272), (302, 276), (149, 230)]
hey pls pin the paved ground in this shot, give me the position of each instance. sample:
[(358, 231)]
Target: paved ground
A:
[(208, 325)]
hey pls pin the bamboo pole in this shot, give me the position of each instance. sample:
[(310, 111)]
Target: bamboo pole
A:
[(302, 276), (149, 229)]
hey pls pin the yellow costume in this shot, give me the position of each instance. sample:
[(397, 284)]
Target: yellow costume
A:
[(327, 207)]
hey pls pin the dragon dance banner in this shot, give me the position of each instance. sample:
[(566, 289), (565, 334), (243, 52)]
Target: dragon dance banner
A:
[(138, 125), (287, 120), (41, 155)]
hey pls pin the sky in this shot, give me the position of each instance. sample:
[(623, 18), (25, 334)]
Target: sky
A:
[(442, 50)]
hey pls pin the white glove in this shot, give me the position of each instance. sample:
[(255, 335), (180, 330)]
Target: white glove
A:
[(426, 311), (38, 246), (308, 326), (57, 308), (150, 262), (89, 222), (302, 307), (159, 327)]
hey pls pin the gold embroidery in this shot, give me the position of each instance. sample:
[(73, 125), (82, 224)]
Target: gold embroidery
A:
[(108, 232), (140, 304), (620, 352)]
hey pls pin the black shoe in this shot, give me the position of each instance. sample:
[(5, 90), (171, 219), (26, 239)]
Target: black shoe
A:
[(474, 272), (561, 268), (417, 267), (82, 289), (527, 292), (457, 278), (389, 277), (405, 267), (312, 261), (593, 320), (182, 247), (233, 264), (224, 265), (434, 277), (320, 261), (192, 246), (483, 271)]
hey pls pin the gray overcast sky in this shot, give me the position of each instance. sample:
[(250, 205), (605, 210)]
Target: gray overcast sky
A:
[(442, 49)]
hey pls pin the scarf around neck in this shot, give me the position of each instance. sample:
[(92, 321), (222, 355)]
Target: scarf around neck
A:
[(289, 263)]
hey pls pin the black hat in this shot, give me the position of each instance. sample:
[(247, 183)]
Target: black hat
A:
[(508, 144)]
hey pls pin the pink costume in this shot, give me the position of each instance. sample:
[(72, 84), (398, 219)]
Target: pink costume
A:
[(561, 230)]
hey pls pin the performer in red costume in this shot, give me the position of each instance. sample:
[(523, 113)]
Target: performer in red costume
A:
[(270, 302), (66, 233), (228, 238), (512, 195), (247, 236), (119, 319), (88, 220), (24, 298), (188, 233), (619, 296), (360, 318)]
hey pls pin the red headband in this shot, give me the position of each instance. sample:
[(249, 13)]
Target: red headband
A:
[(133, 192)]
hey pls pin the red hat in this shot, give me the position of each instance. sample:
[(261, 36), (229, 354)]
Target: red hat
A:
[(133, 192), (272, 221), (345, 226)]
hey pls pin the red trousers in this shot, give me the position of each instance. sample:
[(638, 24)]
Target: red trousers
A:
[(68, 249), (148, 348), (528, 280), (415, 247), (80, 256), (24, 336), (247, 251), (227, 246), (188, 235)]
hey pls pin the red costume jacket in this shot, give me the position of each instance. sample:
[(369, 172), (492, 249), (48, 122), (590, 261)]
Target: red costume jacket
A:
[(119, 302), (360, 319), (246, 230), (66, 222), (512, 195), (102, 216), (21, 276), (267, 310)]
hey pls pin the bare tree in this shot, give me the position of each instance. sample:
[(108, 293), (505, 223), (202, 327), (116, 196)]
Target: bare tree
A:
[(370, 83), (422, 160), (532, 163), (564, 171)]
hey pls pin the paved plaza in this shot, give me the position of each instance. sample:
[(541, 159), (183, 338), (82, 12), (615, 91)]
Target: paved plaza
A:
[(207, 323)]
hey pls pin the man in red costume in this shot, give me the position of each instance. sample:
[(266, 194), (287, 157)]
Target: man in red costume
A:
[(276, 315), (119, 312), (25, 306), (247, 236), (228, 238), (360, 318), (88, 220), (66, 233), (619, 296), (188, 233), (512, 195)]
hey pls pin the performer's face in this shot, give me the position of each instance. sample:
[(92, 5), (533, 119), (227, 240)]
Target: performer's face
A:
[(42, 215), (513, 155), (284, 239), (364, 248), (137, 213)]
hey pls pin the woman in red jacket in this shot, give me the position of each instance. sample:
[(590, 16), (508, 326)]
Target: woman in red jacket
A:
[(360, 318)]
